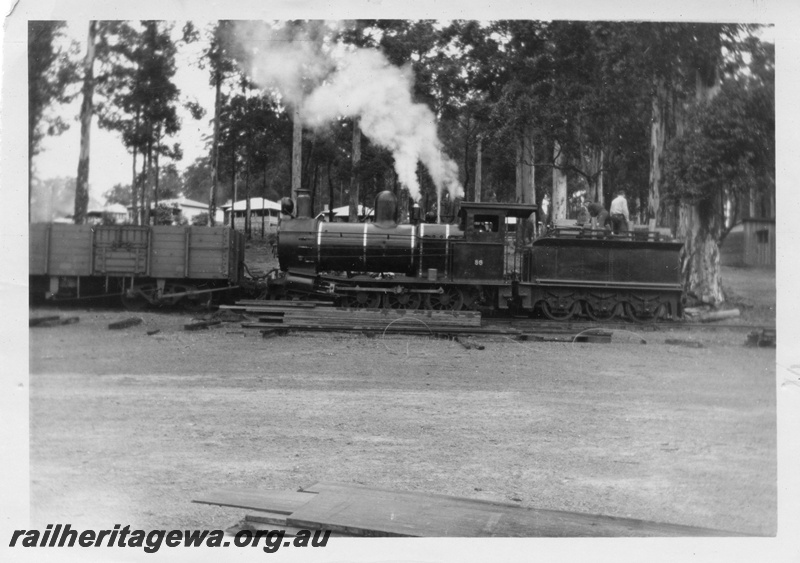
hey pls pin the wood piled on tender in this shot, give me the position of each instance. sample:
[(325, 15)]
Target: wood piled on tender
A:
[(364, 511)]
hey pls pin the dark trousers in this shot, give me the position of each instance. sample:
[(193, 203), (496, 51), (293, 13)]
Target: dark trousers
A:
[(619, 223)]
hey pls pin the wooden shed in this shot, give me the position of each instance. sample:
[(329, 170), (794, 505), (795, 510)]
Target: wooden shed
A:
[(759, 242)]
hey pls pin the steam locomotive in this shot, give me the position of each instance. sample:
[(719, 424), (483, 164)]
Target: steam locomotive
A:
[(482, 262)]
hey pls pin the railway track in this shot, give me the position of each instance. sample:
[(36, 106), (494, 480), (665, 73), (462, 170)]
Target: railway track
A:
[(568, 326)]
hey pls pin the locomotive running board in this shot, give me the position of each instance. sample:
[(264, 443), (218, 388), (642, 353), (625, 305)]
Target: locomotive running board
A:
[(604, 285)]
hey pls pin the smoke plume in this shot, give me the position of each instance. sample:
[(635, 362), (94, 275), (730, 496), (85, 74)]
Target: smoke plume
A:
[(357, 83)]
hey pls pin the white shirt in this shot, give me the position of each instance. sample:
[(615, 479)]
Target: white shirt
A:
[(620, 205)]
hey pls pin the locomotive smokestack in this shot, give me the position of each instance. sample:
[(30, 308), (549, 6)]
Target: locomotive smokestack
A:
[(303, 204)]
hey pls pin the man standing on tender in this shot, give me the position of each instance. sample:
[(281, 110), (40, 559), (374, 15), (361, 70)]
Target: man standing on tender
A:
[(619, 213)]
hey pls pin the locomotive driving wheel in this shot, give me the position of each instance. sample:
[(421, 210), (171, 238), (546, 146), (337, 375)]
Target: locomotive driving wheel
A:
[(362, 300), (450, 299), (405, 300)]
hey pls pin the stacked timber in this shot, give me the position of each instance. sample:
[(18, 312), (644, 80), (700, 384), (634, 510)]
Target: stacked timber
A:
[(322, 315), (355, 510)]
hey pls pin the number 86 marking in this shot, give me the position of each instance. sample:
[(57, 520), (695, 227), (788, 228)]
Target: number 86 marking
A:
[(478, 262)]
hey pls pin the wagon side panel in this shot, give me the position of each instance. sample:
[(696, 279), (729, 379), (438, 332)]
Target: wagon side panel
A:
[(209, 252), (38, 249), (168, 251), (120, 250), (70, 250)]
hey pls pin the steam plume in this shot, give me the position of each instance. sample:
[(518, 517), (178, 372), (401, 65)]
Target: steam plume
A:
[(356, 83)]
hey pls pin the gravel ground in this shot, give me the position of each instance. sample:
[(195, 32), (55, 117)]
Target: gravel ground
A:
[(129, 427)]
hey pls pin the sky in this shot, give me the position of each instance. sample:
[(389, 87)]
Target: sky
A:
[(110, 162)]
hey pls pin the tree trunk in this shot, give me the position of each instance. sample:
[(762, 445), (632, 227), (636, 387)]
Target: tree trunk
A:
[(247, 210), (158, 171), (354, 182), (662, 130), (82, 184), (212, 197), (698, 226), (297, 152), (469, 190), (526, 181), (330, 193), (145, 190), (559, 183), (134, 182), (478, 169), (233, 187)]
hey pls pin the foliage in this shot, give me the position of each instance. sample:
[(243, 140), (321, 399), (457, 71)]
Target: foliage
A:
[(107, 219), (52, 70), (729, 143), (201, 219), (120, 193), (138, 96), (167, 214)]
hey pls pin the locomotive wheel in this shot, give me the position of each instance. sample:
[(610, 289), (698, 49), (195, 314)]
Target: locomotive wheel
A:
[(560, 314), (599, 314), (363, 300), (635, 316), (402, 300), (471, 298), (451, 299)]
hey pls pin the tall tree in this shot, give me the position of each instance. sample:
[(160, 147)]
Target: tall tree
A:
[(87, 111), (139, 98), (51, 71), (220, 65), (727, 148)]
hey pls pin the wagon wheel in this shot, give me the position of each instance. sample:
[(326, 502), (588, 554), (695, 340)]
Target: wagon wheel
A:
[(194, 303), (451, 299), (139, 298), (635, 316), (560, 314), (601, 314), (362, 300), (406, 300)]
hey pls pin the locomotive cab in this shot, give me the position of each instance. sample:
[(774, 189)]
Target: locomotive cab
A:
[(483, 255)]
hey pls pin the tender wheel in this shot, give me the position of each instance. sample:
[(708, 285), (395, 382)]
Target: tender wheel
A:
[(451, 299), (643, 316), (560, 314), (601, 313), (402, 300)]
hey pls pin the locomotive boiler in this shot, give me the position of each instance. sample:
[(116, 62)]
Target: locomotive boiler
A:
[(484, 262)]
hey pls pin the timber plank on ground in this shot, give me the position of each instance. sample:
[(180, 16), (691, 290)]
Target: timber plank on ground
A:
[(349, 508), (272, 501), (365, 511)]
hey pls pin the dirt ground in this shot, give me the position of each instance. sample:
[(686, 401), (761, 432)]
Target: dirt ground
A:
[(130, 427)]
